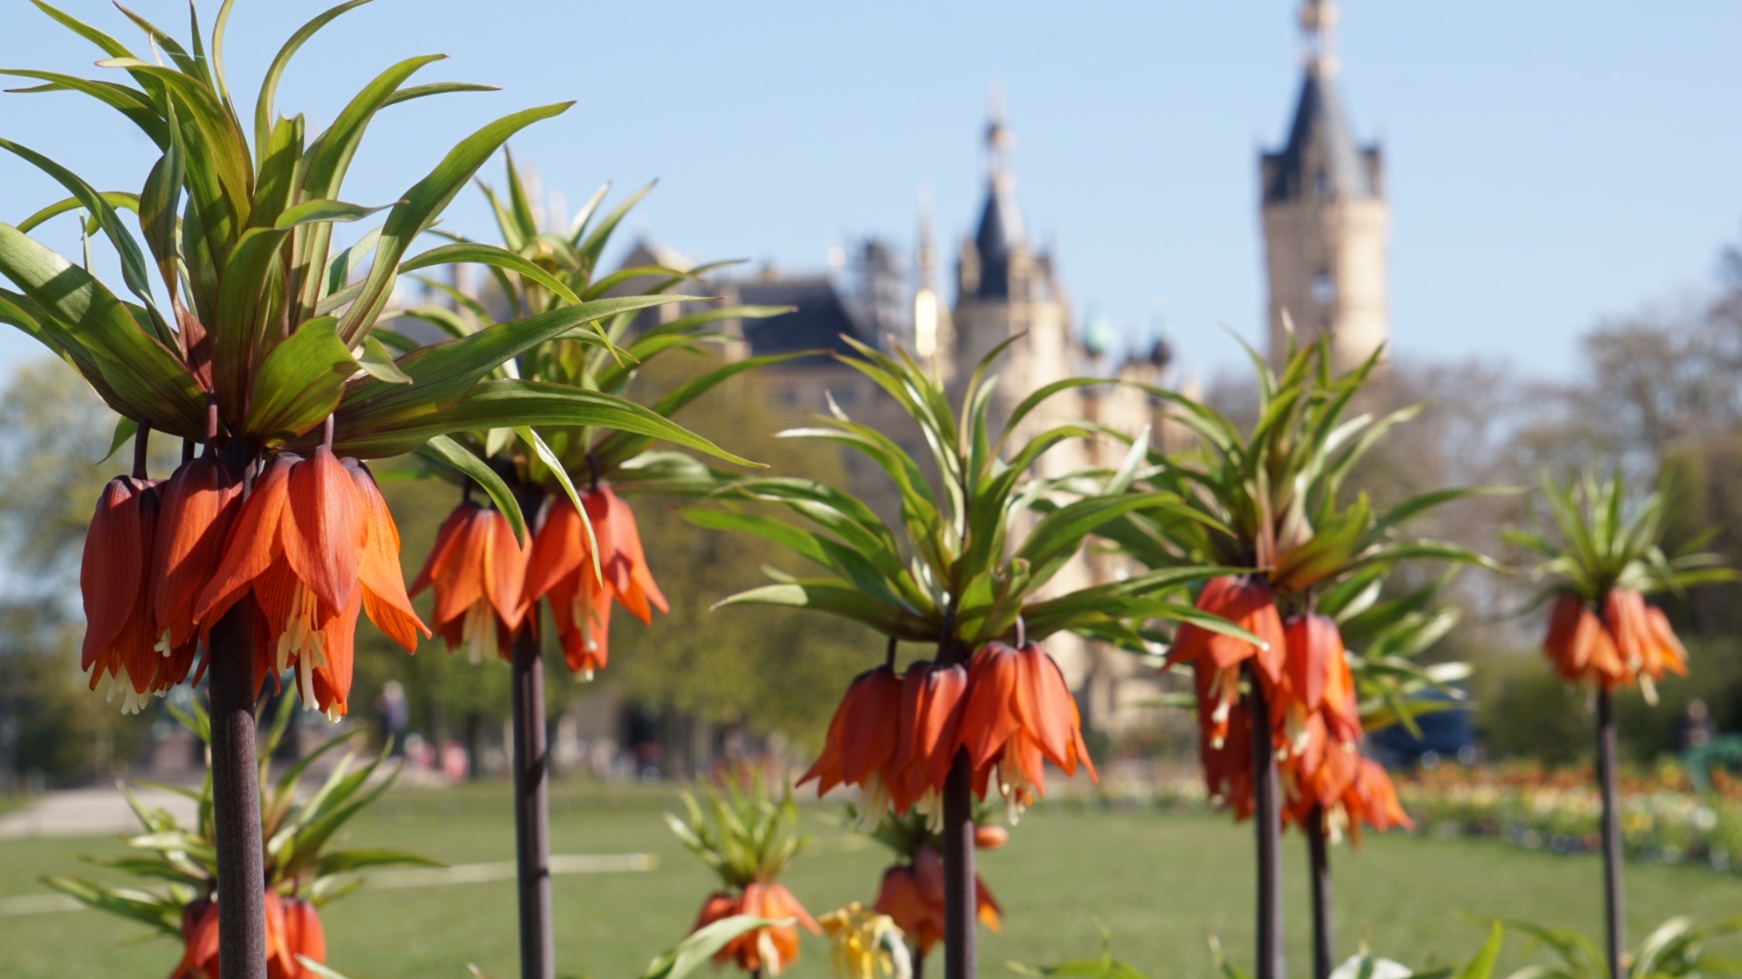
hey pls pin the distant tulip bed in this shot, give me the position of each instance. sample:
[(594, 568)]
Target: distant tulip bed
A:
[(1663, 820)]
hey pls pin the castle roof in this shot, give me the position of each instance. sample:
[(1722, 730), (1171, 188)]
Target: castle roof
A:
[(999, 234), (818, 323), (1321, 158)]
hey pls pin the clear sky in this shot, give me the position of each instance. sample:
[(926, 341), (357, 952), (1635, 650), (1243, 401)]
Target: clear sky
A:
[(1549, 163)]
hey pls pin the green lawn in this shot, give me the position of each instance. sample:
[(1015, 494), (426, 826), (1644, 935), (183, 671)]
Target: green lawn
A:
[(1161, 883)]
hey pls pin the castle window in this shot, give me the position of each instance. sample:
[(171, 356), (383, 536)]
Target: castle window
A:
[(1324, 290)]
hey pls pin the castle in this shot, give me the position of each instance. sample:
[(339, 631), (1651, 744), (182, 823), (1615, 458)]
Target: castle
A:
[(1324, 220)]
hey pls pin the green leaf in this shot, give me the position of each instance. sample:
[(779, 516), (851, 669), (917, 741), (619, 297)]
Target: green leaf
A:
[(443, 372), (299, 383), (263, 113), (147, 909), (504, 404), (345, 861), (1481, 965), (555, 465), (481, 254), (435, 88), (423, 202), (134, 271), (129, 102), (125, 429), (446, 451), (213, 151), (135, 373), (842, 600), (377, 361), (116, 199), (309, 212), (701, 945)]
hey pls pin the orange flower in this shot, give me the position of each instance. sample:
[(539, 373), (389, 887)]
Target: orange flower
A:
[(1579, 646), (1019, 711), (765, 949), (1372, 799), (912, 895), (1249, 604), (115, 583), (300, 934), (990, 837), (314, 545), (1318, 682), (862, 742), (1320, 775), (930, 735), (479, 573), (200, 499), (199, 935), (1224, 746), (292, 928), (1642, 635), (561, 567)]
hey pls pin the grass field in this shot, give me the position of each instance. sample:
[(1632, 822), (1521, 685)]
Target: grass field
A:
[(1161, 883)]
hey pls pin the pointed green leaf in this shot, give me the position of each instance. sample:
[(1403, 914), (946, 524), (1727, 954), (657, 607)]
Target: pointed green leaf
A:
[(299, 383)]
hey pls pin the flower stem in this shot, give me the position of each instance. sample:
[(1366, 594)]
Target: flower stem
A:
[(1319, 862), (236, 797), (1612, 896), (532, 810), (958, 840), (1267, 826)]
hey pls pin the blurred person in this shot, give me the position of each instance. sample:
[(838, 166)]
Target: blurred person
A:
[(1697, 728), (395, 714)]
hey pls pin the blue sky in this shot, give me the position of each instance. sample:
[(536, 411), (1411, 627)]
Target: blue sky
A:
[(1550, 163)]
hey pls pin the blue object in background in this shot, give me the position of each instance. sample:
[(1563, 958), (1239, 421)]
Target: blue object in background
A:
[(1446, 735)]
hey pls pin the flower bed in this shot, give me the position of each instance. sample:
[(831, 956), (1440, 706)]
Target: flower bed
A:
[(1662, 819)]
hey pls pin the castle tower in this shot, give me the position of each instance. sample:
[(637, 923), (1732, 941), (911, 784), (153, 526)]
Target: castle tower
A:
[(932, 339), (1005, 289), (1322, 199)]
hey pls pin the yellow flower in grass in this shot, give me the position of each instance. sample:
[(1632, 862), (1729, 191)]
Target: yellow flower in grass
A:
[(864, 944)]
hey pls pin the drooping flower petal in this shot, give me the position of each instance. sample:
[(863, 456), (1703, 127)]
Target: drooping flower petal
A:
[(912, 895), (325, 542), (115, 585), (200, 501), (561, 568), (479, 573), (1019, 711), (277, 555), (199, 935), (378, 574), (862, 740)]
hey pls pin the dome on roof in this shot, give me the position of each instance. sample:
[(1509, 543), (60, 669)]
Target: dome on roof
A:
[(1100, 336)]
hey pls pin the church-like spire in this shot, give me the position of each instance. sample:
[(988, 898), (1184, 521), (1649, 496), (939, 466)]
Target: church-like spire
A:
[(1000, 230), (1318, 36), (1321, 159)]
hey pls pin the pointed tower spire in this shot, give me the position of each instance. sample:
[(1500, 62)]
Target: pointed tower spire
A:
[(927, 309), (999, 235), (1322, 197), (1318, 36)]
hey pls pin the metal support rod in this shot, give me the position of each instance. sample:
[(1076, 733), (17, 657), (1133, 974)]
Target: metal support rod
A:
[(959, 893), (532, 810), (236, 797), (1319, 864), (1612, 896), (1267, 827)]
